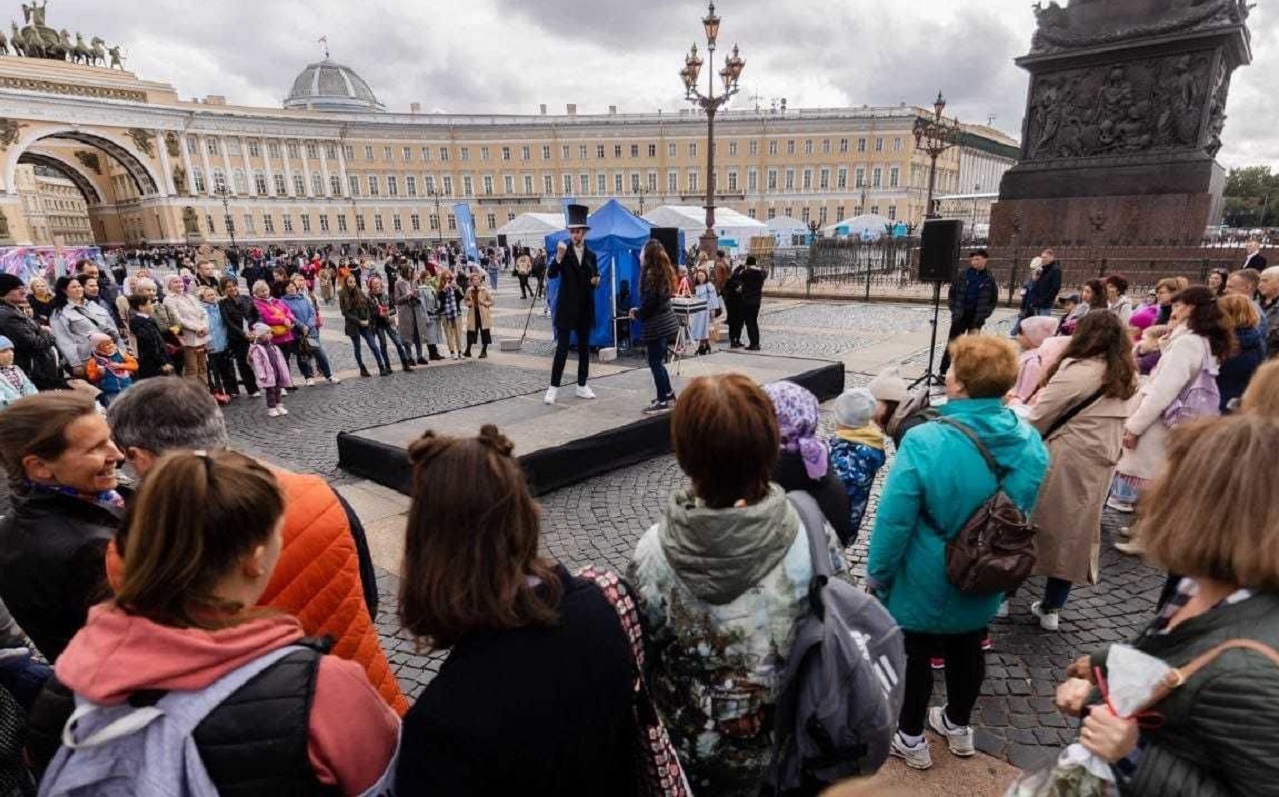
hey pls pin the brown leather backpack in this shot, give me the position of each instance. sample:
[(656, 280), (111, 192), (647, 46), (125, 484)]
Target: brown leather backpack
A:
[(995, 550)]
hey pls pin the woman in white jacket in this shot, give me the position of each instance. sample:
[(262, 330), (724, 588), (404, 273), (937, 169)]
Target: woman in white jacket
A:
[(1199, 341), (194, 329), (74, 319)]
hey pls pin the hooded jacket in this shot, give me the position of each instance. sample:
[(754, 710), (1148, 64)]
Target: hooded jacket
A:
[(720, 591), (937, 482), (1237, 371), (117, 654)]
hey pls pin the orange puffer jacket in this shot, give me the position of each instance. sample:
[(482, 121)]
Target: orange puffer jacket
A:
[(317, 580)]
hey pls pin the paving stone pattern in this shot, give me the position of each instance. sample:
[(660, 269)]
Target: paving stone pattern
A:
[(599, 522)]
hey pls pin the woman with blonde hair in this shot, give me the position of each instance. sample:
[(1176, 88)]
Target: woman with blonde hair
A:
[(1249, 350), (1262, 396), (1212, 516)]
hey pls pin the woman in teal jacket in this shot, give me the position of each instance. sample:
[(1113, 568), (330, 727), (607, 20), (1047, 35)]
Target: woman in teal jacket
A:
[(937, 482)]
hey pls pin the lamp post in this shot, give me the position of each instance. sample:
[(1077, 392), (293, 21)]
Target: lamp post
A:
[(641, 192), (225, 194), (439, 220), (935, 136), (708, 102)]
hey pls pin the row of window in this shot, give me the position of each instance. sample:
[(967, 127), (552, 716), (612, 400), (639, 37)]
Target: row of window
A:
[(372, 185), (405, 154)]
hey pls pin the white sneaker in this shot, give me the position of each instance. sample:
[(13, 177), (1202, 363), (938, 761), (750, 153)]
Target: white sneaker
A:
[(585, 392), (551, 394), (1002, 611), (309, 382), (916, 757), (272, 412), (256, 395), (1048, 620), (960, 740), (281, 409), (333, 380)]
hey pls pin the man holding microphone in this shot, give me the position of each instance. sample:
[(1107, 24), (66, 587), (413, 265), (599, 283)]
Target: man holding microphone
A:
[(577, 270)]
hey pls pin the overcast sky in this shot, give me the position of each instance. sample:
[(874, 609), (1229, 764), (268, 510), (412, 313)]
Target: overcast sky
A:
[(507, 56)]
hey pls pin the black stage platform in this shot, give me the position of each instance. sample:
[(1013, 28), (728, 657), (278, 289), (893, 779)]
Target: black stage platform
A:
[(575, 439)]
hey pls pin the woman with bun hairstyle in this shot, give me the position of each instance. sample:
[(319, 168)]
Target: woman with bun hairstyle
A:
[(535, 697), (184, 618)]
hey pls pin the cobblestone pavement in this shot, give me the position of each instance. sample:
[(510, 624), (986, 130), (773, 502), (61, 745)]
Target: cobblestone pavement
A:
[(599, 522)]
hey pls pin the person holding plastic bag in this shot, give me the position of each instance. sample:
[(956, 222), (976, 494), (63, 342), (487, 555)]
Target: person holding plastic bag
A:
[(1210, 727)]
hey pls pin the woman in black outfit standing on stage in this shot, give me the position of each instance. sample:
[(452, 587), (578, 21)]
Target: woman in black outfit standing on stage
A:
[(657, 281)]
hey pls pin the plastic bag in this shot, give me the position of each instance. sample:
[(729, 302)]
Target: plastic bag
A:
[(1075, 773), (1131, 678)]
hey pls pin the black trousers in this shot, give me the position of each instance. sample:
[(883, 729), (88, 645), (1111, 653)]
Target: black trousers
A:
[(965, 671), (750, 317), (240, 353), (561, 355), (959, 325), (526, 290), (222, 372), (733, 309)]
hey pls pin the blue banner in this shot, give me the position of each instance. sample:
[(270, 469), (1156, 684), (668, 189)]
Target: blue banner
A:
[(466, 226)]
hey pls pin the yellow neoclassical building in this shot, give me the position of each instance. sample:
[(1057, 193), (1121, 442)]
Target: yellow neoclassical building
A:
[(334, 165)]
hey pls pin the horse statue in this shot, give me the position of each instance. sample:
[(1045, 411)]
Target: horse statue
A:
[(4, 45), (65, 47), (19, 47), (97, 53), (117, 60), (81, 52)]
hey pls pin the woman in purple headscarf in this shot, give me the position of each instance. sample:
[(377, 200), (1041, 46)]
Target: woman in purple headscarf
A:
[(805, 460)]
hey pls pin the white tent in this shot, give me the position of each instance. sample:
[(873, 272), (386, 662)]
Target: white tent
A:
[(692, 220), (786, 229), (530, 229), (854, 227)]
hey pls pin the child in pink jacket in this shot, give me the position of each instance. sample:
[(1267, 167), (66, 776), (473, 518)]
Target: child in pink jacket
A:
[(269, 367)]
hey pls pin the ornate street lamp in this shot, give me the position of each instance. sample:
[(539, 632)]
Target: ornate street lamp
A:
[(439, 220), (710, 103), (641, 192), (935, 136), (224, 193)]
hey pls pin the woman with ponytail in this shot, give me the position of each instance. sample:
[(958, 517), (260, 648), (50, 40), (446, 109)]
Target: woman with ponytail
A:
[(184, 622), (535, 696)]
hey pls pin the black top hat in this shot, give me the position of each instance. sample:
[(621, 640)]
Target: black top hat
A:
[(577, 217)]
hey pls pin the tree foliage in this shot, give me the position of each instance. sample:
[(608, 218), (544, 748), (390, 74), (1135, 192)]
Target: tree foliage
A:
[(1252, 197)]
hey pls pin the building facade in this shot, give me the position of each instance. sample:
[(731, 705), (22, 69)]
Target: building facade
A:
[(57, 213), (333, 165)]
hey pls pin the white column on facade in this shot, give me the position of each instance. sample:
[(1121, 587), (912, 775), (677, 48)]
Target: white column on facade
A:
[(248, 168), (166, 180), (186, 159), (208, 172), (346, 188), (226, 164), (324, 167), (266, 160), (288, 168), (306, 167)]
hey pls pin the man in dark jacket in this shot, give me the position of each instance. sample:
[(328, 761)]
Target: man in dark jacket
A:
[(752, 299), (33, 345), (577, 270), (1041, 298), (239, 314), (972, 299)]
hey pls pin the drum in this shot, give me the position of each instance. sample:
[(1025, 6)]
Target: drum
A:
[(687, 306)]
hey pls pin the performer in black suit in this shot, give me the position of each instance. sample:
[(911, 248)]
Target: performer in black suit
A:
[(578, 271), (1254, 259)]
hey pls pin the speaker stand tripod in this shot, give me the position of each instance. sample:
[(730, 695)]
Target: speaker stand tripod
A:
[(931, 378), (680, 349)]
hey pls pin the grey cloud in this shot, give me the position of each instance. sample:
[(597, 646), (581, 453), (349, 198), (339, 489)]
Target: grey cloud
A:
[(507, 56)]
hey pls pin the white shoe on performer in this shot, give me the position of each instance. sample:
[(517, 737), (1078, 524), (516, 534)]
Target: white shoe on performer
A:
[(551, 394), (585, 392)]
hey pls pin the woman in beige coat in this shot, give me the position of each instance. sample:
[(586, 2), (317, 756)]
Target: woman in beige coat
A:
[(479, 316), (1080, 411)]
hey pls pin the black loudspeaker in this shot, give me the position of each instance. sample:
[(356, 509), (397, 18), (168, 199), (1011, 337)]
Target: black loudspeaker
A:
[(501, 241), (668, 237), (939, 250)]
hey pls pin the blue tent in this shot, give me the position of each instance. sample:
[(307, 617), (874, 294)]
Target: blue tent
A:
[(616, 237)]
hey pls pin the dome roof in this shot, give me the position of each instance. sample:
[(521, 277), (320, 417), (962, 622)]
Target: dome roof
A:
[(329, 86)]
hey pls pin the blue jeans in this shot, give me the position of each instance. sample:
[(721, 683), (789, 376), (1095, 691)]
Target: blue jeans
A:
[(367, 335), (321, 358), (1056, 591), (657, 364), (385, 331)]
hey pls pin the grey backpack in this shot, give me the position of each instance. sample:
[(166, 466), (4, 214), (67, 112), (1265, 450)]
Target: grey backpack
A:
[(123, 751), (844, 681)]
